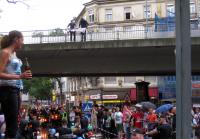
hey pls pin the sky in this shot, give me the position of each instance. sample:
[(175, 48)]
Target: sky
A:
[(39, 15)]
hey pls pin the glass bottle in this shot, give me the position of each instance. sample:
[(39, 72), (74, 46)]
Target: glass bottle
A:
[(27, 65)]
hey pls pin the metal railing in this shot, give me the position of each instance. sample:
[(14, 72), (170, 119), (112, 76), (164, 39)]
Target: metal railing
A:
[(100, 34)]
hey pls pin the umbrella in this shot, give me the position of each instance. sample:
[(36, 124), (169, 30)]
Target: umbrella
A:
[(146, 105), (164, 108)]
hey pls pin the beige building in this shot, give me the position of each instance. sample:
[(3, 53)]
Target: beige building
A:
[(106, 15)]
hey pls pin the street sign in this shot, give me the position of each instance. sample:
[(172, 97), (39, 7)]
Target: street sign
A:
[(87, 106)]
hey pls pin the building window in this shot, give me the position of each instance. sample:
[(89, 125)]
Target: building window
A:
[(108, 15), (110, 80), (91, 16), (147, 11), (195, 78), (170, 78), (127, 13), (130, 80), (170, 10), (64, 85), (193, 13), (151, 79)]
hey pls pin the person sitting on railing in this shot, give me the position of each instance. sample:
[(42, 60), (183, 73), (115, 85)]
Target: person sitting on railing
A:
[(83, 24)]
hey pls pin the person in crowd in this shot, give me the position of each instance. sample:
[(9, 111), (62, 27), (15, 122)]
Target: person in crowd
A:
[(126, 118), (107, 123), (113, 129), (196, 122), (137, 133), (72, 30), (34, 127), (196, 125), (137, 117), (78, 115), (94, 117), (2, 125), (99, 117), (163, 130), (72, 117), (118, 122), (151, 119), (64, 130), (113, 112), (84, 122), (64, 114), (23, 132), (83, 24), (10, 80), (172, 113)]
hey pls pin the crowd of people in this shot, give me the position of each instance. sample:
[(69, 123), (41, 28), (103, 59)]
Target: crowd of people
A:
[(123, 122), (135, 122), (132, 121)]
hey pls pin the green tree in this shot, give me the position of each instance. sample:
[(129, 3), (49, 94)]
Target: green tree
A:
[(57, 32), (39, 88), (37, 34)]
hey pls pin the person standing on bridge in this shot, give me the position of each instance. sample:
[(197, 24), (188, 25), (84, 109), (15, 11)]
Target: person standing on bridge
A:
[(11, 80), (72, 30), (83, 24)]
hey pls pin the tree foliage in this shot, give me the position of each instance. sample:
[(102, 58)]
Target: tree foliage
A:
[(57, 32), (39, 88), (37, 34)]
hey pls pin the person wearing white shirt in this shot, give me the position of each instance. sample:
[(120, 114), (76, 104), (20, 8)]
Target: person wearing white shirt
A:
[(118, 121)]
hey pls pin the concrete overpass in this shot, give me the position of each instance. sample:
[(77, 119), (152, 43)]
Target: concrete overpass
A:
[(154, 56)]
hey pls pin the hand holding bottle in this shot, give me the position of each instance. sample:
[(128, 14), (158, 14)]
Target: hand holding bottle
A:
[(26, 75)]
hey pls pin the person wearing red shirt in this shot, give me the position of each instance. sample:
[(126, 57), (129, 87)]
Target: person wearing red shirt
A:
[(137, 118), (151, 119)]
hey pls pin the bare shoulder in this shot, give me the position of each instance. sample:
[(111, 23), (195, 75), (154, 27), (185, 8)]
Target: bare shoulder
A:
[(4, 53)]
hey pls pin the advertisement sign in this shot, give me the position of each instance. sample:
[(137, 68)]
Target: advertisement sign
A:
[(110, 96), (195, 85), (98, 96), (195, 90)]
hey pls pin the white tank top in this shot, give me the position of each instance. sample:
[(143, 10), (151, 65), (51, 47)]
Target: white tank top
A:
[(13, 67)]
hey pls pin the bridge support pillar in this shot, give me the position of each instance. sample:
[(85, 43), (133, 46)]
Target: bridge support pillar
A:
[(183, 69)]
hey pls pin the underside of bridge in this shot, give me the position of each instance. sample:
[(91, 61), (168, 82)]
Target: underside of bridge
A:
[(107, 61)]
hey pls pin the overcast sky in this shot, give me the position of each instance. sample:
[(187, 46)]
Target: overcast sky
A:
[(42, 14)]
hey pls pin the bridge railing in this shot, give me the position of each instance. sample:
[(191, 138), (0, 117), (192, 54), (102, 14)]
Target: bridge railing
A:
[(103, 34)]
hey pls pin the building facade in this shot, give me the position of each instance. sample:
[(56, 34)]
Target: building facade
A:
[(167, 88), (108, 90), (125, 15)]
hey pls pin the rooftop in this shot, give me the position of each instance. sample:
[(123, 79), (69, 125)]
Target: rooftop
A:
[(106, 1)]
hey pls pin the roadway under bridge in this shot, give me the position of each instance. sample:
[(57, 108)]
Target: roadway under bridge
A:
[(107, 58)]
